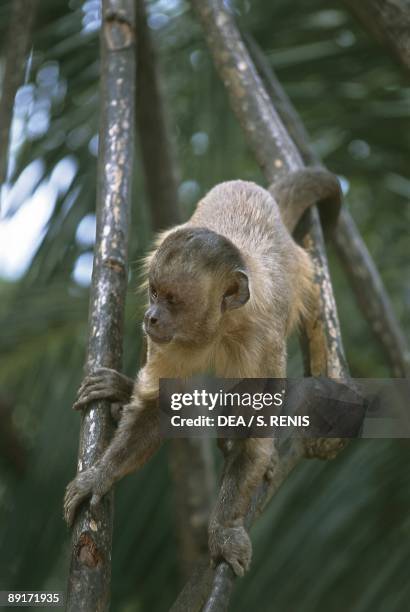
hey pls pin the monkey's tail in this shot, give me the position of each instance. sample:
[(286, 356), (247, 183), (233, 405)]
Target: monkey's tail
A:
[(299, 190)]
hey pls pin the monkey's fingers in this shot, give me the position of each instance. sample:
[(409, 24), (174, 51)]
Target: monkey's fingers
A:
[(89, 381), (99, 376), (74, 495), (103, 384), (92, 394), (95, 383), (237, 566)]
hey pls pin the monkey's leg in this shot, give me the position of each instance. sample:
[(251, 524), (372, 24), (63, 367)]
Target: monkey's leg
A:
[(104, 383), (244, 471), (134, 442)]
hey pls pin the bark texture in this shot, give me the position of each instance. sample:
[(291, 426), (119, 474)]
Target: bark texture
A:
[(90, 571)]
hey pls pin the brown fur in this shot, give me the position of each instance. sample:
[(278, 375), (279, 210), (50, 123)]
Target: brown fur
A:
[(226, 289), (280, 279)]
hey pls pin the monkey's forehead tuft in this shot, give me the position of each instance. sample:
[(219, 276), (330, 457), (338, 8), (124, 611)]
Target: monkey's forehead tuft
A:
[(194, 248), (174, 280)]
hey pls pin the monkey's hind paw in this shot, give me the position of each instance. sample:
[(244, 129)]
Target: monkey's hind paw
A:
[(232, 544), (84, 485)]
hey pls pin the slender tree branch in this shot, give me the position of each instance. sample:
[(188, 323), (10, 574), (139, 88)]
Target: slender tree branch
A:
[(291, 119), (196, 589), (17, 46), (350, 247), (157, 158), (90, 571), (388, 21), (276, 154)]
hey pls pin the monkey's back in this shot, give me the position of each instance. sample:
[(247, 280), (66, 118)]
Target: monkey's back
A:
[(249, 216), (246, 214)]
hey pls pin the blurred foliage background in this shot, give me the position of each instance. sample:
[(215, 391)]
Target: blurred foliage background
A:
[(336, 536)]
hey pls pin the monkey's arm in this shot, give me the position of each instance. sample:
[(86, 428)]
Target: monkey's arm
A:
[(134, 442), (104, 383), (244, 470)]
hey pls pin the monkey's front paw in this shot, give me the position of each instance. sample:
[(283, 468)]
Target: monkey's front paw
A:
[(104, 384), (232, 544), (88, 483)]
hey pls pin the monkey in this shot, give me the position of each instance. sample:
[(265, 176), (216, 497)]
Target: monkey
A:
[(225, 290)]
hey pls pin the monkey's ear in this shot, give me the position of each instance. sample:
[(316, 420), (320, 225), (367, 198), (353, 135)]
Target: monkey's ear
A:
[(237, 293)]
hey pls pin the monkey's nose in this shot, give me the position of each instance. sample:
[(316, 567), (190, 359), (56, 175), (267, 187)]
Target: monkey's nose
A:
[(152, 317)]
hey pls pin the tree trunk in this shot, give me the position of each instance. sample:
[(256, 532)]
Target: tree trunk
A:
[(90, 571)]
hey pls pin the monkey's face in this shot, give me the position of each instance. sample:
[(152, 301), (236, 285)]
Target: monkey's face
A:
[(189, 308), (179, 308), (195, 278)]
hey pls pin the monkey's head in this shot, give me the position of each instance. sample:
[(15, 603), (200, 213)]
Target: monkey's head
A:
[(195, 278)]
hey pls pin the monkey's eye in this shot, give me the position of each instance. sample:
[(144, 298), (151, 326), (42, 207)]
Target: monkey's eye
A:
[(153, 292)]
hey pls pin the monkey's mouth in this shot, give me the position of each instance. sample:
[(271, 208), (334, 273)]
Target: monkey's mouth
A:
[(156, 337)]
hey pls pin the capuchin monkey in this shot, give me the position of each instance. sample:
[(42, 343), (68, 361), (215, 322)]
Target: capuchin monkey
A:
[(225, 290)]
